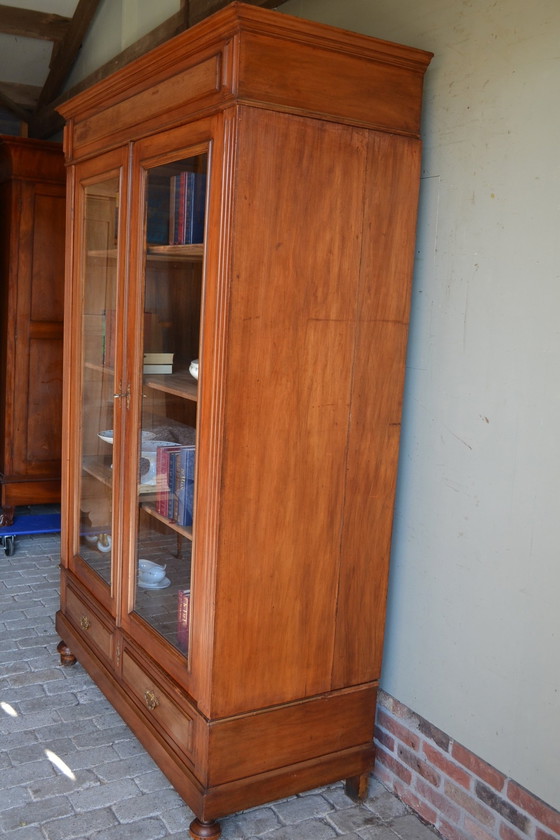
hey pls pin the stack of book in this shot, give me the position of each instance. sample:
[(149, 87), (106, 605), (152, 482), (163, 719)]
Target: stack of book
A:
[(158, 362), (175, 483), (183, 617)]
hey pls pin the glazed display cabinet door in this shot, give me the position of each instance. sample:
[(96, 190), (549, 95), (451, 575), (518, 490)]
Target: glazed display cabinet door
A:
[(97, 404), (168, 299)]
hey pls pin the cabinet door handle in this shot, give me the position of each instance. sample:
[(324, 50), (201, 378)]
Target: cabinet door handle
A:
[(151, 699), (85, 623)]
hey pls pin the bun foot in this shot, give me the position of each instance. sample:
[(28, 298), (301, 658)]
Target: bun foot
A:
[(66, 655), (200, 830)]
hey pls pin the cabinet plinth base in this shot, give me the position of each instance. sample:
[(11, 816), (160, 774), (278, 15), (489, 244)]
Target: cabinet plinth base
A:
[(356, 787), (200, 830), (66, 655)]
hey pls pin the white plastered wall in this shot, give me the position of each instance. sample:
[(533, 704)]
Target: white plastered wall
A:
[(473, 632)]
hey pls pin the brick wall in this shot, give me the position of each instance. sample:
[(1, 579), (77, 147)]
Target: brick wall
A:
[(450, 787)]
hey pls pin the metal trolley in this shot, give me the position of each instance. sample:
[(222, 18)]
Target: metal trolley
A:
[(28, 523)]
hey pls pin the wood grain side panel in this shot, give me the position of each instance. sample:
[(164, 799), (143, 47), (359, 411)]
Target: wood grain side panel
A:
[(300, 732), (376, 401), (330, 83), (292, 310)]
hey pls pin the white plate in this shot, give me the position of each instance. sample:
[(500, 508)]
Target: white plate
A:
[(163, 584)]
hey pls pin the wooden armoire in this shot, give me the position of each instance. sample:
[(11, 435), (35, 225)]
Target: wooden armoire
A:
[(32, 222), (241, 223)]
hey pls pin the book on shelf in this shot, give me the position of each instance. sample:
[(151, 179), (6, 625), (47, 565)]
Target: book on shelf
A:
[(158, 358), (157, 212), (158, 368), (187, 199), (183, 618), (175, 483)]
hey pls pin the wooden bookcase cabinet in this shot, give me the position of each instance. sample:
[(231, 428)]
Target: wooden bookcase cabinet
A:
[(32, 217), (296, 304)]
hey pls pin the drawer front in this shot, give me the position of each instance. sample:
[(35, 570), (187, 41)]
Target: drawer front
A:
[(169, 713), (87, 620)]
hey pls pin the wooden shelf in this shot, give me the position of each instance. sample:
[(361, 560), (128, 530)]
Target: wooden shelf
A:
[(185, 532), (180, 384), (188, 253), (101, 470)]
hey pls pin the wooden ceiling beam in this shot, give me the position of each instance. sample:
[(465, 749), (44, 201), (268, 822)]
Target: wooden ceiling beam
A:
[(27, 23), (200, 9), (65, 54), (13, 107), (46, 122)]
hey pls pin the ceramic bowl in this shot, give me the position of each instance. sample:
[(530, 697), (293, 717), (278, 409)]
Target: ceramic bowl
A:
[(150, 572)]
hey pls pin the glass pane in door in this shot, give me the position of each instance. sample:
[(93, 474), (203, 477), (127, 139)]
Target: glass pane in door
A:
[(98, 359), (174, 251)]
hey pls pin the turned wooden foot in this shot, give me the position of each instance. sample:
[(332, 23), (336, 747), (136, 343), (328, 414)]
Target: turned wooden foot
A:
[(356, 787), (200, 830), (66, 655)]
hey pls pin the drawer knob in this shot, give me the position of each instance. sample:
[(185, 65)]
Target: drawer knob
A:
[(151, 699), (85, 623)]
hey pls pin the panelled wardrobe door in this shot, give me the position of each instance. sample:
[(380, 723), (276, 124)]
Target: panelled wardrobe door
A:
[(96, 402)]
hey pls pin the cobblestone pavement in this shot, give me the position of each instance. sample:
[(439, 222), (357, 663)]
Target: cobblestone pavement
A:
[(70, 767)]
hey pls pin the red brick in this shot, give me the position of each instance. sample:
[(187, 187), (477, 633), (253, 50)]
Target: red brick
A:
[(475, 830), (538, 809), (450, 832), (447, 766), (395, 706), (394, 766), (544, 835), (507, 833), (384, 775), (443, 805), (422, 808), (398, 730), (478, 767), (384, 738), (472, 806), (421, 767)]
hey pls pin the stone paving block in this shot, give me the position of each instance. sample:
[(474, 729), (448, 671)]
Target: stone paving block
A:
[(85, 710), (26, 773), (35, 751), (13, 797), (35, 813), (249, 823), (150, 829), (123, 768), (146, 805), (60, 783), (27, 677), (303, 808), (308, 830), (386, 807), (352, 819), (103, 795), (92, 758), (42, 703), (178, 820), (376, 832), (58, 730), (31, 832), (80, 827), (95, 737), (411, 828), (152, 781)]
